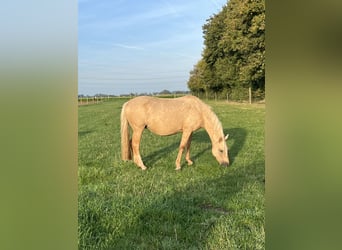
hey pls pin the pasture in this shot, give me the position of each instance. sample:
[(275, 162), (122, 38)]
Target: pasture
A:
[(203, 206)]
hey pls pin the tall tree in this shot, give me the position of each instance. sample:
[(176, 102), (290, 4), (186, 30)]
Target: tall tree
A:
[(196, 82), (234, 47), (213, 32), (244, 40)]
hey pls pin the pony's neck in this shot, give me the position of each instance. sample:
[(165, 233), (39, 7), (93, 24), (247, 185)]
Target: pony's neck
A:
[(213, 126)]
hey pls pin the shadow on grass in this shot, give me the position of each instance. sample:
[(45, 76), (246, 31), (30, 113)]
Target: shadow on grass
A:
[(238, 136), (83, 133), (150, 159), (186, 218)]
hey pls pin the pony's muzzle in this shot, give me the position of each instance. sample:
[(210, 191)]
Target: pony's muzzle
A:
[(224, 164)]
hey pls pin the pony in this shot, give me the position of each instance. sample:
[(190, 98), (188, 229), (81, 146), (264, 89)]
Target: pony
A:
[(168, 116)]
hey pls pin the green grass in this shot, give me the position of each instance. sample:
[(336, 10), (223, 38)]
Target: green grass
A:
[(203, 206)]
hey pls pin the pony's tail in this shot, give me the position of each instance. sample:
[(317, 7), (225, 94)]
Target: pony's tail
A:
[(125, 142)]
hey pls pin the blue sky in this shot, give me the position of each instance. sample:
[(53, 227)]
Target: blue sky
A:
[(131, 46)]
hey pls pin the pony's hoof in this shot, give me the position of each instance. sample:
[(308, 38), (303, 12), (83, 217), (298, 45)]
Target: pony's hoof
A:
[(190, 163), (178, 168), (143, 168)]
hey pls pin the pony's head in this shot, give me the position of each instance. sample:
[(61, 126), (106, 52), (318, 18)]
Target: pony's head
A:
[(220, 151)]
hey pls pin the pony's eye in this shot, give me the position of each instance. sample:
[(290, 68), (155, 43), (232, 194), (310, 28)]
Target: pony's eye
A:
[(220, 150)]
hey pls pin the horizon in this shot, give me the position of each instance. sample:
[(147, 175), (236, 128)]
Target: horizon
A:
[(163, 92)]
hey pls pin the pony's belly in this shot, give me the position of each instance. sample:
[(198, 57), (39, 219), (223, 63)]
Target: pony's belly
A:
[(164, 130)]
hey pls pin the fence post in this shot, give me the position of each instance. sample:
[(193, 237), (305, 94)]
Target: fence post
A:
[(250, 95)]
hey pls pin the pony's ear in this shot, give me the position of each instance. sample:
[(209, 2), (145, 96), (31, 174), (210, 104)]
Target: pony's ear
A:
[(226, 137)]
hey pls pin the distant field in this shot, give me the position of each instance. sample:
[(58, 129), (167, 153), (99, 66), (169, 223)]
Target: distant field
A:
[(203, 206)]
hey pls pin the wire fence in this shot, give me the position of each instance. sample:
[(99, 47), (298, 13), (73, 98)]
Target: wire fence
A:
[(234, 95), (87, 100), (95, 99)]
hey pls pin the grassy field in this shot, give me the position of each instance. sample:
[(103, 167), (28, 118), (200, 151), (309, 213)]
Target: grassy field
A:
[(203, 206)]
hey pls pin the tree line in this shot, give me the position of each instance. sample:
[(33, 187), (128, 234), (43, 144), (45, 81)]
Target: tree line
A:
[(233, 58)]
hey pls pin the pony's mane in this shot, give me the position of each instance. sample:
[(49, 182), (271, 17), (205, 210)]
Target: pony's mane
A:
[(215, 122)]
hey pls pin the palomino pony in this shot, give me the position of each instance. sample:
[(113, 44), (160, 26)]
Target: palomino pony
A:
[(170, 116)]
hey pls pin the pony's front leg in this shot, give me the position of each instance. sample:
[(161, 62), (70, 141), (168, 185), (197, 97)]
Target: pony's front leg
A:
[(135, 147), (183, 144), (187, 156)]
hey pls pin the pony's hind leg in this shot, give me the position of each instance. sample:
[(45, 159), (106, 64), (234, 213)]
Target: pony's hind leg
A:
[(136, 137), (183, 144)]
